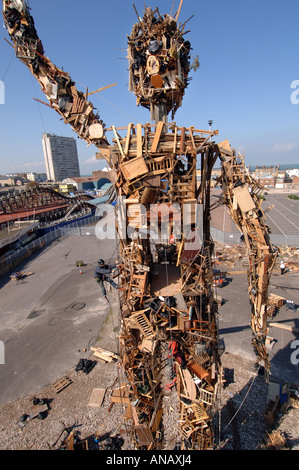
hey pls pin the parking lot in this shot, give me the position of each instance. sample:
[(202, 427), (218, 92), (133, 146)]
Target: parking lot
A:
[(48, 319), (235, 330), (283, 218)]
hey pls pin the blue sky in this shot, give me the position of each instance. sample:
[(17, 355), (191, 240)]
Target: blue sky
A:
[(248, 53)]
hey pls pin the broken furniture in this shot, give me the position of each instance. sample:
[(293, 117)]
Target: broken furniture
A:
[(159, 62)]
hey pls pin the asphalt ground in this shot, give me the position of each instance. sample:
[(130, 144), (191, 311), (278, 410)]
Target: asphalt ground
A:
[(49, 319), (235, 315), (282, 214), (283, 218)]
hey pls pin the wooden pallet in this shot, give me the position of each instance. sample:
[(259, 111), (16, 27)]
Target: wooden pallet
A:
[(61, 384)]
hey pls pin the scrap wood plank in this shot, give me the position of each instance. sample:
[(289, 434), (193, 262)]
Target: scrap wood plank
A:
[(144, 434), (284, 327), (156, 140), (139, 140), (157, 405), (190, 385), (243, 198), (101, 353), (118, 141), (183, 139), (97, 397), (157, 420), (176, 16), (225, 148), (69, 441), (192, 138), (100, 89), (34, 410), (127, 146)]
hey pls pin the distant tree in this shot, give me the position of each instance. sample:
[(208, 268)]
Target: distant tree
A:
[(31, 185)]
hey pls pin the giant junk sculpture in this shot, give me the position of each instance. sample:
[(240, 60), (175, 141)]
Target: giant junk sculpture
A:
[(163, 225)]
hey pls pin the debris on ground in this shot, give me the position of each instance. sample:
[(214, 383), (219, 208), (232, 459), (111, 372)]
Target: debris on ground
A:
[(71, 423)]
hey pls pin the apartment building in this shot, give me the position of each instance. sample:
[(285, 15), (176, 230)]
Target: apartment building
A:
[(61, 157)]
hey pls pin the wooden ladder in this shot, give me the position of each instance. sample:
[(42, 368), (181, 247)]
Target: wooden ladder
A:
[(144, 324)]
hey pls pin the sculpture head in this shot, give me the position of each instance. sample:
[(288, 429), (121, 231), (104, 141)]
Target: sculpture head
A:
[(159, 62)]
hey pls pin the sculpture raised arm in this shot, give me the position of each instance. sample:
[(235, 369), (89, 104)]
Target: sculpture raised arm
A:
[(60, 90)]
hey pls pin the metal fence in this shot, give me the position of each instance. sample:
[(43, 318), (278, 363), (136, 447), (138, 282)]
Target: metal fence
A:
[(285, 240), (80, 228), (234, 238), (87, 227), (84, 227), (225, 237), (13, 259)]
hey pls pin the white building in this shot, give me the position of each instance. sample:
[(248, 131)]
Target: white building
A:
[(38, 177), (32, 176), (292, 173), (61, 157)]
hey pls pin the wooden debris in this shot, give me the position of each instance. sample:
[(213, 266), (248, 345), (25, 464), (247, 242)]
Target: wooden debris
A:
[(104, 355), (97, 397), (282, 326), (57, 85), (61, 384), (38, 410), (159, 61), (20, 275), (276, 440), (274, 303), (121, 395), (80, 263), (271, 410)]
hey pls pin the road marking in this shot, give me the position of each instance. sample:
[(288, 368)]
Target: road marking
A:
[(295, 213), (268, 217), (275, 208)]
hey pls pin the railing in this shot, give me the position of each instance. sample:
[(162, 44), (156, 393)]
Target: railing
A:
[(86, 227), (80, 228), (234, 238), (11, 261)]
